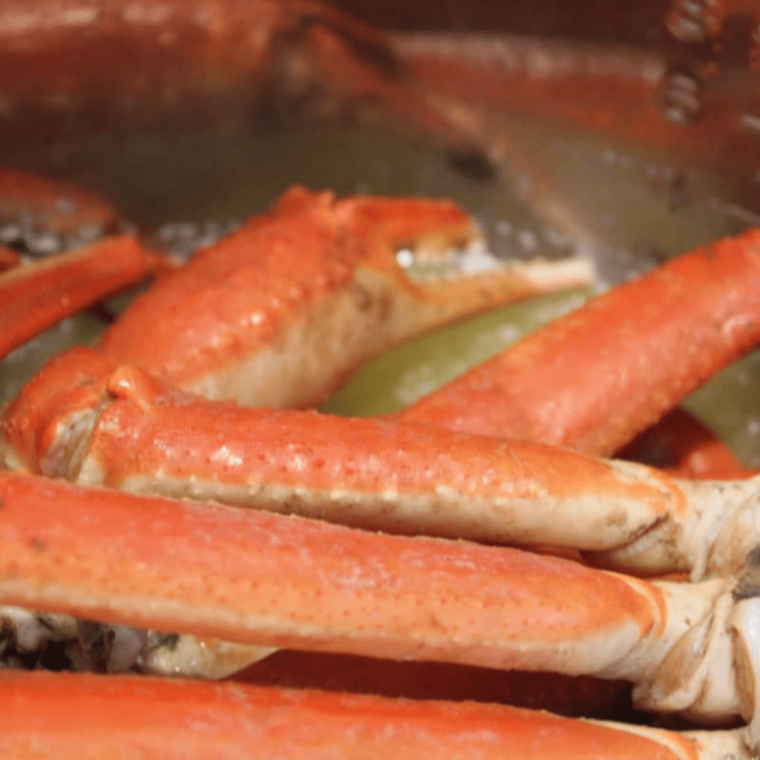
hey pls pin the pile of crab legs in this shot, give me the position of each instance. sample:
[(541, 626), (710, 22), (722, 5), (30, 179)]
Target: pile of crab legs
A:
[(119, 417), (128, 415)]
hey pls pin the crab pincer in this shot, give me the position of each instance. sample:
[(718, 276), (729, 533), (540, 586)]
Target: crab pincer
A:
[(280, 312)]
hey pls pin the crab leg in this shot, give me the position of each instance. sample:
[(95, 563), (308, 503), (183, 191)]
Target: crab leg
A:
[(249, 319), (85, 419), (684, 447), (121, 716), (602, 374), (37, 297), (257, 578)]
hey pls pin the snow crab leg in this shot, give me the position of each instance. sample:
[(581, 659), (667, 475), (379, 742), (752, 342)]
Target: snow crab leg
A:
[(119, 716), (99, 424), (39, 213)]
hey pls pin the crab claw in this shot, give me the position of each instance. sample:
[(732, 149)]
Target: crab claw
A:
[(282, 311)]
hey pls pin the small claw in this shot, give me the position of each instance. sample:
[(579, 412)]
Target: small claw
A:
[(281, 311)]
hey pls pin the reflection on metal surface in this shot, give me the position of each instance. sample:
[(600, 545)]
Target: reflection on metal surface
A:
[(679, 96), (692, 21)]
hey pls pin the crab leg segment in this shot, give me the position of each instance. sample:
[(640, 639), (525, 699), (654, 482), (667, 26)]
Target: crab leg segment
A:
[(281, 311), (597, 377), (84, 419), (36, 297), (307, 584), (685, 448), (120, 716)]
